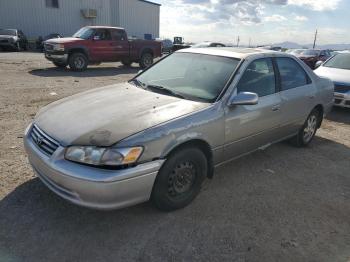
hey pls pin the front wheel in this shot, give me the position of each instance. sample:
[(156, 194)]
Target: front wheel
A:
[(78, 62), (146, 60), (179, 180), (308, 131)]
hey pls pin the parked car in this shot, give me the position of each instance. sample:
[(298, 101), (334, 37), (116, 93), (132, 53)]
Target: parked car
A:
[(96, 44), (13, 39), (167, 46), (200, 108), (296, 52), (338, 70), (311, 56), (41, 40), (208, 44), (179, 44)]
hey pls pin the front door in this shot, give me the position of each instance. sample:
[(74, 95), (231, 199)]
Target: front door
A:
[(248, 127)]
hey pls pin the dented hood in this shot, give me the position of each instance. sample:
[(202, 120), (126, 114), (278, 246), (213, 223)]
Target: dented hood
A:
[(106, 115)]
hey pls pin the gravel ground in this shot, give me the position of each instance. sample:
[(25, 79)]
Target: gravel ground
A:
[(281, 204)]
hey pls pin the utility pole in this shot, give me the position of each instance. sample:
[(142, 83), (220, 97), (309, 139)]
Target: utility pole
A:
[(315, 39), (237, 41)]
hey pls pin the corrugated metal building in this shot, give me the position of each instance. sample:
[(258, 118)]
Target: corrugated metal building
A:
[(42, 17)]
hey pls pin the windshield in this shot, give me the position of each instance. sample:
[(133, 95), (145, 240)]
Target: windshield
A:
[(341, 61), (192, 76), (84, 33), (8, 32), (311, 52)]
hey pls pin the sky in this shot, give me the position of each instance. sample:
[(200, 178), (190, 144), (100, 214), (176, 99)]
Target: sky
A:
[(258, 21)]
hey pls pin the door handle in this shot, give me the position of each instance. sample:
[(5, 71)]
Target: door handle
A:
[(276, 107)]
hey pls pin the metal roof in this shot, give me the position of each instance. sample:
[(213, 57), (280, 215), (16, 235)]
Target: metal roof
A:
[(149, 2)]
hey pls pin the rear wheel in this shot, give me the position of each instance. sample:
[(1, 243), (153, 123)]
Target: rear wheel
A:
[(308, 131), (179, 180), (60, 64), (78, 62), (146, 60)]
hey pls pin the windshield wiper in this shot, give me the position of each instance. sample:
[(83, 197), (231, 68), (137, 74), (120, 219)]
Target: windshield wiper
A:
[(137, 83), (165, 90)]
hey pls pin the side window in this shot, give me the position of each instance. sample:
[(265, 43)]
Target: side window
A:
[(258, 78), (292, 74), (103, 34), (118, 35)]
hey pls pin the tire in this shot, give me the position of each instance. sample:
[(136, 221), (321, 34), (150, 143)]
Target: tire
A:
[(146, 60), (308, 130), (179, 180), (126, 62), (78, 62)]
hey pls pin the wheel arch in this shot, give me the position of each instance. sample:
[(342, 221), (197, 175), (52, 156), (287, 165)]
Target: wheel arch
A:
[(320, 109), (196, 143), (78, 50)]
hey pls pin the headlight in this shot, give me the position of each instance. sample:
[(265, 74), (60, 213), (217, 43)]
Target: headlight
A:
[(58, 47), (103, 156)]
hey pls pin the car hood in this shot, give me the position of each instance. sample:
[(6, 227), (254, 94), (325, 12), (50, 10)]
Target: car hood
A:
[(337, 75), (63, 40), (8, 37), (104, 116)]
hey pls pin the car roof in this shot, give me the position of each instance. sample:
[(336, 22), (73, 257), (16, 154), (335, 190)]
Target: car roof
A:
[(105, 27), (233, 52)]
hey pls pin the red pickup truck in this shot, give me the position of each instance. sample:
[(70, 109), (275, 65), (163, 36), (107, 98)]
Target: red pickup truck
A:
[(96, 44)]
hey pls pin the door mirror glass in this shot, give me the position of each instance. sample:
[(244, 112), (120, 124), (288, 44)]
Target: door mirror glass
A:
[(318, 64), (244, 98)]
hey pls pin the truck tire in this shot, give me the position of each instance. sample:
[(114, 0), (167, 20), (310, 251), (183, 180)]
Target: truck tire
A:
[(78, 62), (180, 178), (126, 62), (146, 60), (60, 64)]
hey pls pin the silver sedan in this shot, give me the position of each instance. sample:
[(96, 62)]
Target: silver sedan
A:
[(337, 69), (160, 135)]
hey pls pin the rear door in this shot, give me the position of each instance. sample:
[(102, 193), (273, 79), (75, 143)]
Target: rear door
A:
[(248, 127), (120, 44), (102, 48), (297, 93)]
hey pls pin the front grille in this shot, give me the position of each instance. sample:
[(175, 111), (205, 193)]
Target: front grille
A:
[(341, 88), (43, 141), (4, 41)]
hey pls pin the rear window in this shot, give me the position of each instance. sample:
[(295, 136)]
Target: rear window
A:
[(291, 73)]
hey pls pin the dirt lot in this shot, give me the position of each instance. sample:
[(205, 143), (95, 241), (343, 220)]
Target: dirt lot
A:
[(281, 204)]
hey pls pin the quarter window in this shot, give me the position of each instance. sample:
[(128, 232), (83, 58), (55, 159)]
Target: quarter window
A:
[(52, 3), (258, 78), (291, 73)]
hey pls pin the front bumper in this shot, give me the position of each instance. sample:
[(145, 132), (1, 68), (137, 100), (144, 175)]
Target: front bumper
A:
[(90, 186), (342, 99), (57, 57)]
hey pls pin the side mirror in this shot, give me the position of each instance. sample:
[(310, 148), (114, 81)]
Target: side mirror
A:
[(318, 64), (96, 38), (244, 98)]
